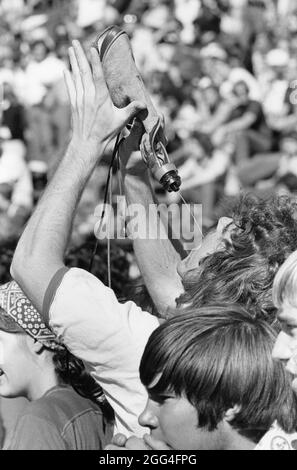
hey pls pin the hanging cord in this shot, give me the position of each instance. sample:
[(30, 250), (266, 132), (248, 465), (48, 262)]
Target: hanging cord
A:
[(108, 195), (120, 177), (108, 237), (114, 154)]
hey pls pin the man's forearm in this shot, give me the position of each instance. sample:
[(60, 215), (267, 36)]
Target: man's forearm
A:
[(157, 257), (41, 249)]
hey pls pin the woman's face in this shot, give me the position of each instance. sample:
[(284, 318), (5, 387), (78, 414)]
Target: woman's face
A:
[(15, 365)]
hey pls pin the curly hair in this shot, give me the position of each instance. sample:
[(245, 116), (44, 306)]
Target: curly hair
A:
[(262, 236)]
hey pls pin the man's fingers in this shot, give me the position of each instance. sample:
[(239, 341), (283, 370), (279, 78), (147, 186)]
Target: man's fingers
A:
[(154, 444), (135, 443), (70, 88), (113, 447), (119, 440), (83, 65), (97, 70), (128, 113), (76, 74)]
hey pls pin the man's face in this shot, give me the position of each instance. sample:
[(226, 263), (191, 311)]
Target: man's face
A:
[(211, 243), (15, 365), (285, 348), (173, 420)]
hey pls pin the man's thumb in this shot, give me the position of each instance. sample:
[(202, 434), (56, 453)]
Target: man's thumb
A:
[(132, 110)]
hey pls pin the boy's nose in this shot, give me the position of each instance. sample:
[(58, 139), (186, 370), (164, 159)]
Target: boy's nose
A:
[(282, 350), (148, 417)]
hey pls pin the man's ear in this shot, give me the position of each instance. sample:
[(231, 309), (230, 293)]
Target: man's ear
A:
[(231, 413), (34, 345)]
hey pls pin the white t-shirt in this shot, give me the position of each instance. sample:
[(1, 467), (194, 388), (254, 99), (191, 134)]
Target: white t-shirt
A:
[(108, 336), (277, 439)]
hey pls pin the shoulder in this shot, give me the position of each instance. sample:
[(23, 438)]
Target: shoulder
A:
[(60, 405), (35, 431)]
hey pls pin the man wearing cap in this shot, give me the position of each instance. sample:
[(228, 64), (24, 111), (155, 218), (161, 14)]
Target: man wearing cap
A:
[(33, 364)]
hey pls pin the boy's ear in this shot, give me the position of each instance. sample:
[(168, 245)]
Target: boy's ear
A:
[(34, 345), (231, 413)]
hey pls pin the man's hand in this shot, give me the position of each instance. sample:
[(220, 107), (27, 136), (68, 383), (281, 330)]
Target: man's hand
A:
[(121, 442), (95, 120), (130, 156), (155, 444)]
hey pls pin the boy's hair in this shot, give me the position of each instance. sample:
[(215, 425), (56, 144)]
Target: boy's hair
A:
[(242, 271), (219, 357), (285, 283)]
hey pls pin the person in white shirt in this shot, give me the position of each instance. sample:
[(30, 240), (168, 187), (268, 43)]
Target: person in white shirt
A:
[(92, 130), (109, 336)]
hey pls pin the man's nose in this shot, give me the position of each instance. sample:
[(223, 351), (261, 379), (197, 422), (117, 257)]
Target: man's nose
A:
[(148, 417), (282, 350)]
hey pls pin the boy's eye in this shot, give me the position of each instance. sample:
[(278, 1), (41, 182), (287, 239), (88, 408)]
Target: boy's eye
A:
[(159, 398)]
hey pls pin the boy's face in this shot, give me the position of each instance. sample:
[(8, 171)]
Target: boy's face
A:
[(285, 348), (15, 365), (174, 421)]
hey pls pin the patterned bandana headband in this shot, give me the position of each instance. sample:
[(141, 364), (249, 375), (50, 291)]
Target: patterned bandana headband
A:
[(17, 307)]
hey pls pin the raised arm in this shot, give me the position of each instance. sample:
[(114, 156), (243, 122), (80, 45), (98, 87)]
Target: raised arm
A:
[(157, 257), (95, 121)]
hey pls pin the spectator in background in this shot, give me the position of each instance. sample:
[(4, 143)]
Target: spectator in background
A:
[(216, 63), (275, 101), (246, 126), (287, 170), (43, 71), (203, 167), (57, 106), (16, 192)]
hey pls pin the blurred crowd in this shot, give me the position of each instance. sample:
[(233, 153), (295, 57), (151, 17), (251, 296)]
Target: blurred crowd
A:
[(222, 72)]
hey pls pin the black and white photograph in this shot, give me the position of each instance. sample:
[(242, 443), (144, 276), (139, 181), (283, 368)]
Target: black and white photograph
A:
[(148, 228)]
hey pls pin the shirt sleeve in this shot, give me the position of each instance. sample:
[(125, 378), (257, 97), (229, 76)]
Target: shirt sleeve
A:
[(108, 336), (34, 433)]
